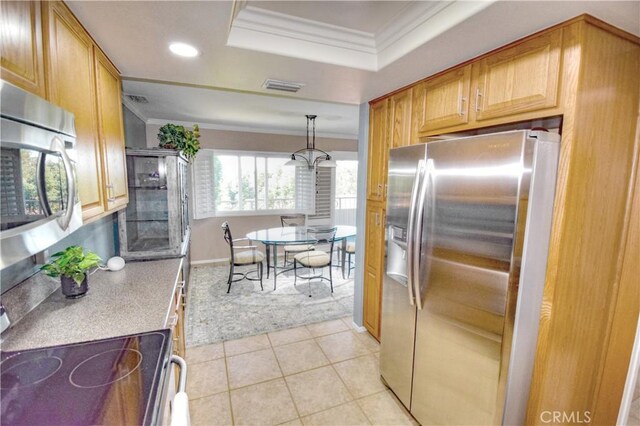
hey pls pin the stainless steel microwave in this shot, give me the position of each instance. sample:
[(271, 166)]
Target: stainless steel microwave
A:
[(39, 203)]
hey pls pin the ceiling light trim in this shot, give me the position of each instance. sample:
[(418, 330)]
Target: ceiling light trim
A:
[(251, 129)]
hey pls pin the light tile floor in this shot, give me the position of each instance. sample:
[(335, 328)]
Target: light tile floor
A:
[(319, 374)]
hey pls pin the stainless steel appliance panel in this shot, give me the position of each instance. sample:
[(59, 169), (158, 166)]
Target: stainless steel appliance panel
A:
[(472, 235), (39, 199), (406, 168)]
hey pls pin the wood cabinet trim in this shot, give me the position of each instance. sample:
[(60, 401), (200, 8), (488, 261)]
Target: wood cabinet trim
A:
[(36, 83), (580, 18)]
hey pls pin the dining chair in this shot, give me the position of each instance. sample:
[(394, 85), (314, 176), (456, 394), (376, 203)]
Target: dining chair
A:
[(242, 255), (317, 258), (349, 251), (294, 220)]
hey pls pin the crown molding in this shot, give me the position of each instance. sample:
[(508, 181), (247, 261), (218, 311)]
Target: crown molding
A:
[(419, 23), (251, 129), (263, 30), (273, 32)]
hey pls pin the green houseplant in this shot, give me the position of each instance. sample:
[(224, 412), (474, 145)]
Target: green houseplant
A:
[(174, 136), (71, 265)]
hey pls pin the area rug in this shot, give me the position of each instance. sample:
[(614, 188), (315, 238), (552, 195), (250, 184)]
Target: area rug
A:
[(212, 315)]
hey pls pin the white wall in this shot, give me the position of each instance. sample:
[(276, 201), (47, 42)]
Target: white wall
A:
[(207, 243)]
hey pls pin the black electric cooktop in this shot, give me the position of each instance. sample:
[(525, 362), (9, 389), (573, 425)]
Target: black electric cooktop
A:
[(111, 381)]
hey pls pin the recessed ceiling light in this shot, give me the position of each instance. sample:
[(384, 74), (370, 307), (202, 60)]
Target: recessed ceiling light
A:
[(183, 49)]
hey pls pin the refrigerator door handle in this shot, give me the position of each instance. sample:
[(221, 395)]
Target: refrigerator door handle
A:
[(410, 228), (419, 229)]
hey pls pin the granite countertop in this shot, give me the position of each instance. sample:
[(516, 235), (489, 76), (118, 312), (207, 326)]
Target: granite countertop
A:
[(135, 299)]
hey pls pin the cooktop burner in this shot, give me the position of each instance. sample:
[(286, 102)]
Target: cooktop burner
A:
[(127, 361), (27, 370), (111, 381)]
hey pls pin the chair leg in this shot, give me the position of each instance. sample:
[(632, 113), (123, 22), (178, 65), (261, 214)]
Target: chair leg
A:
[(349, 267), (260, 267), (230, 276), (331, 278), (295, 271)]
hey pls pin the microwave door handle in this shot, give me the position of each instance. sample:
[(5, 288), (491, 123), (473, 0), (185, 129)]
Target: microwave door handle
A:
[(419, 231), (57, 145), (41, 185), (410, 228)]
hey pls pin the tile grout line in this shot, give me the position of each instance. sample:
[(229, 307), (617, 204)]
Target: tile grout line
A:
[(226, 371), (293, 401)]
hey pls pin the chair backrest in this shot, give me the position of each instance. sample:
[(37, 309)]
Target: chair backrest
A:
[(227, 236), (324, 236), (293, 220)]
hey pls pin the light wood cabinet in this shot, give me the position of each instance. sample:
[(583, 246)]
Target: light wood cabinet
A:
[(585, 74), (445, 100), (111, 133), (176, 319), (21, 45), (519, 79), (374, 260), (378, 147), (81, 79), (72, 85), (400, 119), (372, 300)]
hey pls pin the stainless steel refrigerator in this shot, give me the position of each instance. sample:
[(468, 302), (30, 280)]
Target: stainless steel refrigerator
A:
[(467, 235)]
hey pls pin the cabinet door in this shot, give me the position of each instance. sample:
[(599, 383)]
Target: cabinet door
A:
[(400, 119), (520, 79), (374, 258), (378, 145), (72, 86), (445, 101), (417, 111), (21, 45), (372, 294), (111, 133), (374, 241)]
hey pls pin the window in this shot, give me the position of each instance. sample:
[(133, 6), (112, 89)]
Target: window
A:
[(243, 183)]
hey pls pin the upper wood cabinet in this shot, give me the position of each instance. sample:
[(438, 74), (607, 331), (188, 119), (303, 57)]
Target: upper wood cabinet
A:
[(81, 79), (519, 79), (72, 85), (400, 119), (378, 147), (111, 132), (21, 45), (445, 100)]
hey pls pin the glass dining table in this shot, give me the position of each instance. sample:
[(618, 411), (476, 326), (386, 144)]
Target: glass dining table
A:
[(290, 235)]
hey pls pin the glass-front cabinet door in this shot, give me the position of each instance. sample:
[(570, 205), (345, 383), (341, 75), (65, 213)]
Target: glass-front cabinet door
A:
[(155, 223), (148, 210)]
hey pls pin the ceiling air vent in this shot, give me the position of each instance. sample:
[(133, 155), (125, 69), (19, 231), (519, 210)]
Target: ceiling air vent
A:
[(138, 99), (283, 86)]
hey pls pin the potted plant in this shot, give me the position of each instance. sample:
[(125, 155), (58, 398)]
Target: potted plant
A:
[(71, 265), (174, 136)]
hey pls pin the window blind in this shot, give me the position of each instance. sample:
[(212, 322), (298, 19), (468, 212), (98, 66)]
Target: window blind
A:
[(323, 195), (305, 190), (204, 204)]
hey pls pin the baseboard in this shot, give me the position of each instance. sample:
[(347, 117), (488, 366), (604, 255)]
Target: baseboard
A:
[(216, 262), (359, 328)]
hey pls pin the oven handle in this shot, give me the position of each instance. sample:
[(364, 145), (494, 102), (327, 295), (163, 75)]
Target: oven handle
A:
[(41, 185), (182, 383), (57, 145), (180, 404)]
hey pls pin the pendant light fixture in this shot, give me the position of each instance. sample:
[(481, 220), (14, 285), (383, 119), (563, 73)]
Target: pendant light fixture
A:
[(311, 156)]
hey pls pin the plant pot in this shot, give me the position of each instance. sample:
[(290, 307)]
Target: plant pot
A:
[(71, 289)]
